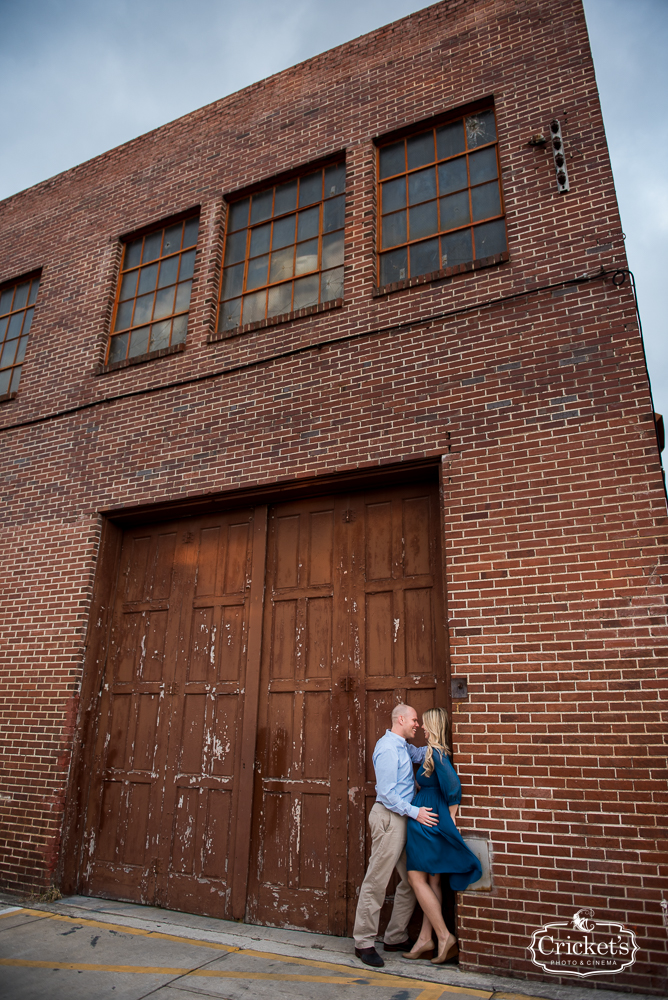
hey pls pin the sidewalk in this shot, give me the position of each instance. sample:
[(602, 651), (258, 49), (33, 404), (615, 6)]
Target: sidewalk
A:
[(81, 948)]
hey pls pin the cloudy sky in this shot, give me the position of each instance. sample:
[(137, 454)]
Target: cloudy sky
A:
[(78, 77)]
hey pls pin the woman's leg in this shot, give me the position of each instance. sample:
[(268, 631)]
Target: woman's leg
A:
[(428, 897)]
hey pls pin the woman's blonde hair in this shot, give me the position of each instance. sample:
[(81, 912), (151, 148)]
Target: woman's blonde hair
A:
[(437, 724)]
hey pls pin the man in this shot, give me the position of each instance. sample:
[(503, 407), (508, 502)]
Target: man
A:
[(393, 760)]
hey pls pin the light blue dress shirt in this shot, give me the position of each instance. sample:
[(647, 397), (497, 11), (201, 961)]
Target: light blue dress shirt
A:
[(393, 760)]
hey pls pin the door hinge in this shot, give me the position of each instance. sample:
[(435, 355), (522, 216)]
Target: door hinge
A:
[(349, 516), (348, 684), (346, 889), (172, 688)]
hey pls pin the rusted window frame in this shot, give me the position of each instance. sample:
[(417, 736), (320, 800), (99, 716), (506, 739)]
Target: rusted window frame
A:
[(126, 240), (30, 303), (420, 129), (258, 189)]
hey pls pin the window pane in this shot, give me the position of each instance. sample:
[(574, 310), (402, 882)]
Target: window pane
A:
[(160, 335), (455, 210), (172, 241), (307, 257), (33, 292), (394, 195), (152, 245), (16, 378), (168, 272), (424, 257), (27, 322), (119, 346), (332, 249), (286, 198), (182, 296), (254, 307), (485, 201), (261, 205), (452, 175), (187, 265), (230, 315), (480, 128), (132, 254), (179, 329), (260, 239), (164, 303), (306, 292), (281, 264), (124, 315), (423, 220), (190, 233), (3, 327), (238, 215), (490, 239), (421, 186), (309, 224), (450, 139), (284, 232), (15, 324), (392, 159), (456, 248), (393, 266), (21, 296), (235, 247), (5, 378), (333, 214), (6, 300), (482, 165), (233, 281), (8, 353), (335, 180), (420, 149), (148, 277), (279, 300), (21, 353), (139, 342), (394, 229), (310, 188), (332, 285), (257, 272), (143, 309), (129, 285)]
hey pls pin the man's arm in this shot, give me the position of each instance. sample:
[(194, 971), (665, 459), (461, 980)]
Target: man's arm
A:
[(416, 754)]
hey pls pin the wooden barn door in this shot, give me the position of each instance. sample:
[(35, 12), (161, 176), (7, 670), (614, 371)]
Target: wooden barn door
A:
[(253, 661), (353, 624)]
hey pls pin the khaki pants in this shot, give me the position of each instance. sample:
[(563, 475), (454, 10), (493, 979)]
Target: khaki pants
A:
[(388, 835)]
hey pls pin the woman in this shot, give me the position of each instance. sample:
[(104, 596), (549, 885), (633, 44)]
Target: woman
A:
[(435, 850)]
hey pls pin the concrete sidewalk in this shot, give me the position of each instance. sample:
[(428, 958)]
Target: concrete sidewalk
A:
[(81, 948)]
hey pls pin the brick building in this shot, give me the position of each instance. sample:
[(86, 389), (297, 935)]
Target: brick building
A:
[(334, 395)]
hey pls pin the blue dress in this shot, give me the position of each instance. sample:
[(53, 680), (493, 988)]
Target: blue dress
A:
[(440, 849)]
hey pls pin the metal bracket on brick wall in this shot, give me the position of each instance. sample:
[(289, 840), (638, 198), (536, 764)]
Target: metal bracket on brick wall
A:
[(559, 157), (459, 687)]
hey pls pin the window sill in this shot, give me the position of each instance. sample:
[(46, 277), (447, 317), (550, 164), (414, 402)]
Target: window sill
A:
[(447, 272), (262, 324), (141, 359), (6, 396)]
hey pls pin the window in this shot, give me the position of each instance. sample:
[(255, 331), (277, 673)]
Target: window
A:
[(284, 248), (154, 291), (440, 200), (16, 309)]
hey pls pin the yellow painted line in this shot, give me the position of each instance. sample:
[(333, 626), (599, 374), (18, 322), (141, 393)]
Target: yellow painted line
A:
[(373, 978)]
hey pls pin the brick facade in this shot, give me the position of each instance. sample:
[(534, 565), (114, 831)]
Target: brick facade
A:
[(525, 379)]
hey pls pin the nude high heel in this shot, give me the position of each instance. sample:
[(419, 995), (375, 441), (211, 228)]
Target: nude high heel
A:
[(420, 952), (450, 951)]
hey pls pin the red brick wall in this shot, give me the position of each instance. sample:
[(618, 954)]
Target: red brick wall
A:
[(532, 387)]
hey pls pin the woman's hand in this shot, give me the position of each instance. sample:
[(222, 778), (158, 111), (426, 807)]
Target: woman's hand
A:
[(427, 816)]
